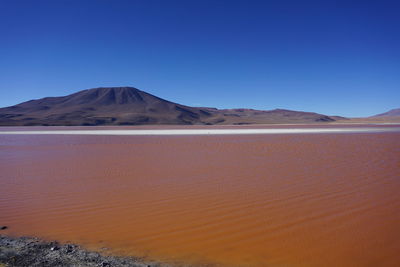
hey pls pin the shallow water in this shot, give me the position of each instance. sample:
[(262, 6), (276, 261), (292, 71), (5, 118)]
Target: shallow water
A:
[(245, 200)]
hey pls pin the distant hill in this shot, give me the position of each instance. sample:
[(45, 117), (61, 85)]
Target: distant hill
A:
[(131, 106), (393, 112)]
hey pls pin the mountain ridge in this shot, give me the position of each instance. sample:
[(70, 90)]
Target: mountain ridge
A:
[(390, 113), (131, 106)]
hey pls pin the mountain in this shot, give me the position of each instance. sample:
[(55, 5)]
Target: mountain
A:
[(131, 106), (390, 113)]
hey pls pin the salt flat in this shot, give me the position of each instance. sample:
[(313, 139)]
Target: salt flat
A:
[(209, 131)]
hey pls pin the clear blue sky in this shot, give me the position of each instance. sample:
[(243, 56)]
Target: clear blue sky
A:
[(331, 57)]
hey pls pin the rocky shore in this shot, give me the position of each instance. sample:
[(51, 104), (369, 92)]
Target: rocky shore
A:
[(28, 251)]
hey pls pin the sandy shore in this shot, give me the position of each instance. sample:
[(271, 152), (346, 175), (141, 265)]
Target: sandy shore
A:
[(208, 131), (28, 251)]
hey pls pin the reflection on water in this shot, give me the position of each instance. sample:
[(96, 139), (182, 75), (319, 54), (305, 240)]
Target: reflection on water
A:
[(284, 200)]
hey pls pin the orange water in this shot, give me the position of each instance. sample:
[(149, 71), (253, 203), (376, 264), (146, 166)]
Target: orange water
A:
[(273, 200)]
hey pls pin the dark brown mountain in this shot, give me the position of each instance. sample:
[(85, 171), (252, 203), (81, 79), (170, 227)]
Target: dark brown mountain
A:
[(390, 113), (131, 106)]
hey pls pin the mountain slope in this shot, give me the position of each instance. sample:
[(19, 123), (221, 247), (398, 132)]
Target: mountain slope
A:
[(131, 106), (393, 112)]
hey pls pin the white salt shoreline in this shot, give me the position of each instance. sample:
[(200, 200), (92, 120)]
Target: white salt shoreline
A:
[(205, 131)]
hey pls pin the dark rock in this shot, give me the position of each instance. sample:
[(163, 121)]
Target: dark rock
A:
[(25, 251), (3, 227), (70, 248)]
